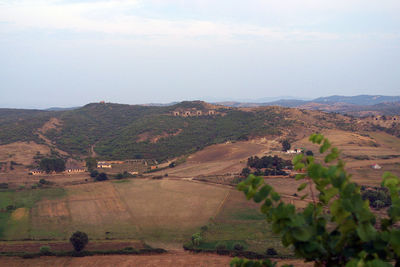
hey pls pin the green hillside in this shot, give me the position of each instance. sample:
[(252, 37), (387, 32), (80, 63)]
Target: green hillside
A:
[(117, 131), (125, 131)]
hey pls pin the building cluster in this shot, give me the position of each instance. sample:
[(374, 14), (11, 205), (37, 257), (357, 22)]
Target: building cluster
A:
[(193, 113), (295, 151)]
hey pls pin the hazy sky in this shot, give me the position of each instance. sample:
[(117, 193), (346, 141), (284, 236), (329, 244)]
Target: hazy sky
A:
[(68, 53)]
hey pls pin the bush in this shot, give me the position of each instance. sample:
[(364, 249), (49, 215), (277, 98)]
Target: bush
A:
[(11, 207), (45, 250), (94, 173), (101, 177), (238, 247), (220, 246), (338, 227), (271, 252), (44, 182), (79, 240)]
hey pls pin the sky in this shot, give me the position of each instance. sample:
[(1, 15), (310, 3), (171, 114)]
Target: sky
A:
[(58, 53)]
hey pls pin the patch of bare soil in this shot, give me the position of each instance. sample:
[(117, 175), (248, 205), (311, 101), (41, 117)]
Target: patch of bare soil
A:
[(22, 152), (147, 136), (33, 246), (172, 259), (53, 123)]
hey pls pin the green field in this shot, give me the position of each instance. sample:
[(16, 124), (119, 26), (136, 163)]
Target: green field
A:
[(159, 211), (240, 221)]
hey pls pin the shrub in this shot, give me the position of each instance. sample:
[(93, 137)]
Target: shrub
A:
[(44, 182), (238, 247), (196, 239), (271, 252), (220, 246), (10, 207), (79, 240), (94, 173), (101, 177), (337, 228), (45, 250)]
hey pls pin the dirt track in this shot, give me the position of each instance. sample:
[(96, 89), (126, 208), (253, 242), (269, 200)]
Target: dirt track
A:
[(176, 258)]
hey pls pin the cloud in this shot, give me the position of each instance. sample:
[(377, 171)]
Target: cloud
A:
[(117, 18)]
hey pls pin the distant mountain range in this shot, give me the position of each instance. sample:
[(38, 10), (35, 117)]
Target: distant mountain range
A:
[(360, 105)]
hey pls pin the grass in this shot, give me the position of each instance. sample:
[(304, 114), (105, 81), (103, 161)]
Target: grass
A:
[(240, 221), (121, 181), (18, 228)]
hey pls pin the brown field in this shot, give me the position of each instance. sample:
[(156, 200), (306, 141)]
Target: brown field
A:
[(21, 178), (157, 210), (360, 151), (34, 246), (221, 158), (172, 259), (22, 152)]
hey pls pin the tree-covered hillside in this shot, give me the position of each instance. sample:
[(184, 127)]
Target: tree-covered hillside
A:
[(116, 131), (124, 131)]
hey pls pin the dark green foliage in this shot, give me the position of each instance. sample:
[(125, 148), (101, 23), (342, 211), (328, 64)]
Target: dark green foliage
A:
[(337, 227), (238, 247), (94, 173), (52, 164), (271, 162), (172, 164), (44, 182), (272, 166), (220, 246), (285, 145), (3, 185), (245, 172), (79, 240), (113, 130), (91, 163), (309, 153), (378, 198), (45, 250), (101, 177), (20, 125), (271, 252)]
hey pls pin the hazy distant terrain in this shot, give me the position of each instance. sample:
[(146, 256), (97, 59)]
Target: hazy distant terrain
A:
[(361, 105)]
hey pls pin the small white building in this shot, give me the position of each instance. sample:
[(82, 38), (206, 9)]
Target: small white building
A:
[(103, 165), (376, 166)]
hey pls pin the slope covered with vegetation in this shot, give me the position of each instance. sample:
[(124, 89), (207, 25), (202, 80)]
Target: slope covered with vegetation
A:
[(116, 131)]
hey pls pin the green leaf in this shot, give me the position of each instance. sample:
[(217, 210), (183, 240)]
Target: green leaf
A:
[(325, 146), (366, 232), (302, 233), (302, 186)]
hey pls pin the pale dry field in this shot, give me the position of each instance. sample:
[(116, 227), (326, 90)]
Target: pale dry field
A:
[(171, 259), (22, 152), (221, 158), (376, 147), (155, 210)]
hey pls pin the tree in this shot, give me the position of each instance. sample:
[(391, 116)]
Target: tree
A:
[(285, 145), (94, 173), (52, 164), (101, 177), (79, 240), (91, 163), (246, 171), (309, 153), (337, 228)]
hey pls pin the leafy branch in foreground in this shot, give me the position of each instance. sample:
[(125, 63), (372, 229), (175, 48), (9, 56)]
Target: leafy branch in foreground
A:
[(337, 228)]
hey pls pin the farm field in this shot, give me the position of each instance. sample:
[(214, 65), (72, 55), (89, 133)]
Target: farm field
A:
[(162, 213), (171, 259), (158, 210), (360, 151)]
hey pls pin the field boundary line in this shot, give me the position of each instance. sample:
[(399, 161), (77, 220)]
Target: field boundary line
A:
[(222, 203)]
